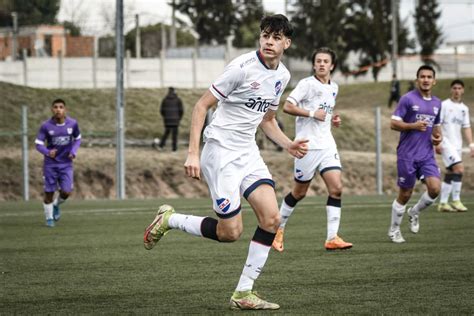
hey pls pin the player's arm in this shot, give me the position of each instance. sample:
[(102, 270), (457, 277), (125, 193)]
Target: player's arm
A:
[(398, 124), (192, 166), (468, 136), (436, 136), (76, 143), (269, 125), (293, 109), (41, 146)]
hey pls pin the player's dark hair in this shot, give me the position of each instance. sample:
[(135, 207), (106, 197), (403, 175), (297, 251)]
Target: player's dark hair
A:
[(59, 101), (457, 81), (425, 67), (325, 50), (277, 23)]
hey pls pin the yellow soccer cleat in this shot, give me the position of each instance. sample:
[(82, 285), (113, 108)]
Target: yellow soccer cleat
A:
[(158, 228), (458, 206), (250, 300), (278, 241), (337, 244), (445, 207)]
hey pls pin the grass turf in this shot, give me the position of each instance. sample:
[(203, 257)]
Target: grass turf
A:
[(93, 262)]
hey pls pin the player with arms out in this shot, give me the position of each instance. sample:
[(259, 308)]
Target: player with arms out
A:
[(454, 118), (312, 102), (417, 118), (248, 93), (58, 140)]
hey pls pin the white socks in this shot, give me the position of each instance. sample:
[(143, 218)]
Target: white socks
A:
[(456, 190), (445, 192), (187, 223), (256, 259), (424, 201), (285, 213), (333, 218), (58, 200), (397, 214), (48, 211)]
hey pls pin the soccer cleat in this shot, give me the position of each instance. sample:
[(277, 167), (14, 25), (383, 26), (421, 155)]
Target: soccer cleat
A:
[(458, 206), (337, 244), (50, 222), (56, 212), (278, 241), (413, 222), (396, 236), (250, 300), (158, 228), (445, 207)]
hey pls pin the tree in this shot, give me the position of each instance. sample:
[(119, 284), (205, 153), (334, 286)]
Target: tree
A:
[(212, 20), (428, 33), (248, 14), (320, 23), (30, 12)]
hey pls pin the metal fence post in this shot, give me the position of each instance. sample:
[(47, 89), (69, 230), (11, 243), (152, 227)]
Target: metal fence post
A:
[(24, 152), (25, 66), (378, 150)]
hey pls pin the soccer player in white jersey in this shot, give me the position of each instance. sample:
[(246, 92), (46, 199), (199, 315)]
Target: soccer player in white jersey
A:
[(248, 94), (312, 102), (454, 118)]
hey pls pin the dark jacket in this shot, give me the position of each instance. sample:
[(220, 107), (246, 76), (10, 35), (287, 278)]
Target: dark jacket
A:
[(171, 109)]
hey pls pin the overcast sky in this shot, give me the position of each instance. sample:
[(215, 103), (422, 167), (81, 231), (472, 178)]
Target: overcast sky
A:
[(457, 19)]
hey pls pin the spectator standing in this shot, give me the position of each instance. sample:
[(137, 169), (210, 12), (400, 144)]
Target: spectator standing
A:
[(394, 91), (172, 112)]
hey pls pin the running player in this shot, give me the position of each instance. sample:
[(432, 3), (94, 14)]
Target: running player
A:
[(454, 118), (248, 94), (58, 140), (312, 102), (417, 117)]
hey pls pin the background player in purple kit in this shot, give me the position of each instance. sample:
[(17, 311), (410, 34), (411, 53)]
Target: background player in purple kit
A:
[(417, 117), (58, 140)]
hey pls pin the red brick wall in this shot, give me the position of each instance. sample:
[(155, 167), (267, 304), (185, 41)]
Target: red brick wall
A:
[(23, 42), (79, 46)]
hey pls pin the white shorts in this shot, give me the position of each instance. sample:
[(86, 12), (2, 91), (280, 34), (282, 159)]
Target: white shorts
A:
[(321, 159), (231, 174), (450, 154)]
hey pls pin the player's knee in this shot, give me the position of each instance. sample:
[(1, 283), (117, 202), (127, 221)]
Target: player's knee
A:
[(64, 195), (434, 191), (299, 195), (229, 235), (270, 223), (336, 191)]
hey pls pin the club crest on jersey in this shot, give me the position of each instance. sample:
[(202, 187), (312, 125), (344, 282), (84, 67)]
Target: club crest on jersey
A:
[(51, 132), (415, 108), (299, 174), (69, 130), (223, 204), (278, 86), (255, 85), (435, 110)]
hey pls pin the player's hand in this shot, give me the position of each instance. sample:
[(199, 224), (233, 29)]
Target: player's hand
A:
[(436, 139), (336, 120), (438, 149), (298, 148), (192, 166), (52, 153), (71, 156), (320, 115), (420, 126)]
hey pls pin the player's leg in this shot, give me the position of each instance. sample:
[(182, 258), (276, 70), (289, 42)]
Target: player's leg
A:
[(333, 181), (451, 158), (458, 170), (66, 184), (429, 169), (263, 201), (446, 187), (50, 186)]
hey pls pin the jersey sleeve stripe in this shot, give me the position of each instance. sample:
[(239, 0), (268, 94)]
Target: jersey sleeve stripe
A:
[(292, 100), (220, 93), (78, 136), (39, 142), (396, 118)]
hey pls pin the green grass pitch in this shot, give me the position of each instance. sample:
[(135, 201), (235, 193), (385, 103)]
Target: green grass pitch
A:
[(93, 262)]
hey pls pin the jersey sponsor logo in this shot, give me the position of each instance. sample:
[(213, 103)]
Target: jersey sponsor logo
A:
[(259, 104), (223, 204), (326, 107), (278, 86), (254, 85), (415, 108), (69, 130), (457, 121), (299, 174), (61, 140), (426, 118)]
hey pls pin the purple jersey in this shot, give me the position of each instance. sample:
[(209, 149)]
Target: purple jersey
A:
[(65, 138), (416, 145)]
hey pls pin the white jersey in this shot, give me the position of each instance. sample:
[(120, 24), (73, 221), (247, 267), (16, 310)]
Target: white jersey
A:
[(312, 95), (454, 117), (246, 90)]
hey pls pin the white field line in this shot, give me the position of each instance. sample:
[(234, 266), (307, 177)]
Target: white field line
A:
[(135, 210)]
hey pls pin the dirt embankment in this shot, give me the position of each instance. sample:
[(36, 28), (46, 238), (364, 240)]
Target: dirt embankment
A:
[(153, 174)]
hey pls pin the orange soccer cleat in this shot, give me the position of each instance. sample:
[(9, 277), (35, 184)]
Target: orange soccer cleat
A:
[(278, 241), (337, 244)]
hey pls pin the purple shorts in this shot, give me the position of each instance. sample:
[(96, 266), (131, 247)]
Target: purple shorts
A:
[(58, 174), (410, 170)]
